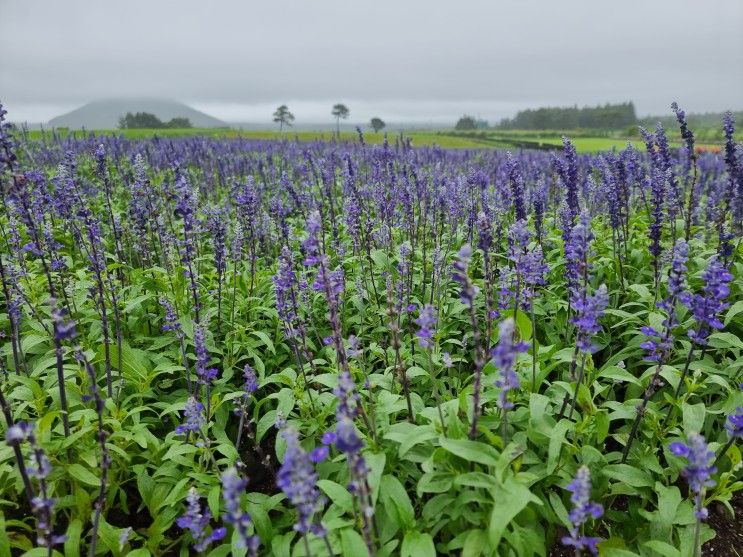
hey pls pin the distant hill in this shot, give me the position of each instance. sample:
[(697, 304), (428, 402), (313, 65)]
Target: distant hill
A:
[(105, 114)]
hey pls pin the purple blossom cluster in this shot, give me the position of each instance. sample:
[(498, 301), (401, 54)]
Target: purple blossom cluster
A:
[(699, 469), (233, 486), (426, 322), (205, 374), (297, 478), (734, 424), (583, 509), (707, 306), (196, 520), (504, 357), (193, 417), (588, 310), (468, 290), (659, 343)]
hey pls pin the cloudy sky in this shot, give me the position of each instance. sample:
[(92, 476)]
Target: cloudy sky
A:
[(404, 60)]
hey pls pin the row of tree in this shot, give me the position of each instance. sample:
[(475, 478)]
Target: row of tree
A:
[(140, 120), (608, 116), (284, 117)]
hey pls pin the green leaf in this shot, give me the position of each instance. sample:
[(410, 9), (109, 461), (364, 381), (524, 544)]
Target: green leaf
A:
[(4, 540), (601, 419), (375, 465), (109, 535), (475, 543), (627, 474), (642, 291), (663, 548), (141, 552), (352, 543), (734, 310), (417, 544), (556, 441), (82, 474), (434, 482), (669, 500), (523, 322), (337, 494), (725, 340), (395, 499), (472, 451), (281, 546), (380, 258), (693, 416), (619, 374), (559, 507), (266, 341), (213, 500), (417, 435), (513, 499), (476, 479), (72, 543), (40, 552)]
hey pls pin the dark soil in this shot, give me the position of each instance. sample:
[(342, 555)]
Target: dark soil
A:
[(729, 539), (727, 543)]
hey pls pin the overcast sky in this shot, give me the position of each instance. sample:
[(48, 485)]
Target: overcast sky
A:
[(403, 60)]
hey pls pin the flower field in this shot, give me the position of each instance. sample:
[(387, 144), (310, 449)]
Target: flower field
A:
[(265, 347)]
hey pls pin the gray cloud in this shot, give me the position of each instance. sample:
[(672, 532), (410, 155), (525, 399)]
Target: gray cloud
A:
[(425, 60)]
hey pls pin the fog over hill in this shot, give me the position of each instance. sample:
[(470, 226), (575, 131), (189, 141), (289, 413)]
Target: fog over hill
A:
[(105, 114)]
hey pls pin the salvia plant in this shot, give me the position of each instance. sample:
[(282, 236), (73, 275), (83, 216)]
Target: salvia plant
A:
[(240, 347)]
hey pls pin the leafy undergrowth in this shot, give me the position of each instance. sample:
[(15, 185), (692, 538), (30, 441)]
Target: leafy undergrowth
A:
[(275, 348)]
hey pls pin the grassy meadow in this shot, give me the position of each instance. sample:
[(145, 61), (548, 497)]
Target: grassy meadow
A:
[(583, 140)]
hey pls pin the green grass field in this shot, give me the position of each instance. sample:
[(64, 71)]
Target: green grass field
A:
[(486, 139), (420, 139)]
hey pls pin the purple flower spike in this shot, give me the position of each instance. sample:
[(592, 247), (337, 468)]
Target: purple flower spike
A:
[(588, 310), (233, 486), (686, 134), (734, 424), (196, 520), (706, 307), (461, 267), (171, 322), (297, 478), (583, 509), (698, 472), (206, 374), (504, 357), (251, 381), (193, 415), (427, 323)]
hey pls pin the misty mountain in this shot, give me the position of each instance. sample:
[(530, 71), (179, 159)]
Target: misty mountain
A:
[(105, 114)]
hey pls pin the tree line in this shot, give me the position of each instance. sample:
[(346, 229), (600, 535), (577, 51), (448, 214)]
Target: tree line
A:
[(589, 117), (146, 120), (282, 116)]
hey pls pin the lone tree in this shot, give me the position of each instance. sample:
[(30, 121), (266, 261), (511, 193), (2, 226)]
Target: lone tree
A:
[(377, 124), (283, 117), (339, 111)]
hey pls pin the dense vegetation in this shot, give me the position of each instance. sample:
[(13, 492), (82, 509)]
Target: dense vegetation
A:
[(234, 346), (146, 120), (470, 123), (608, 116)]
